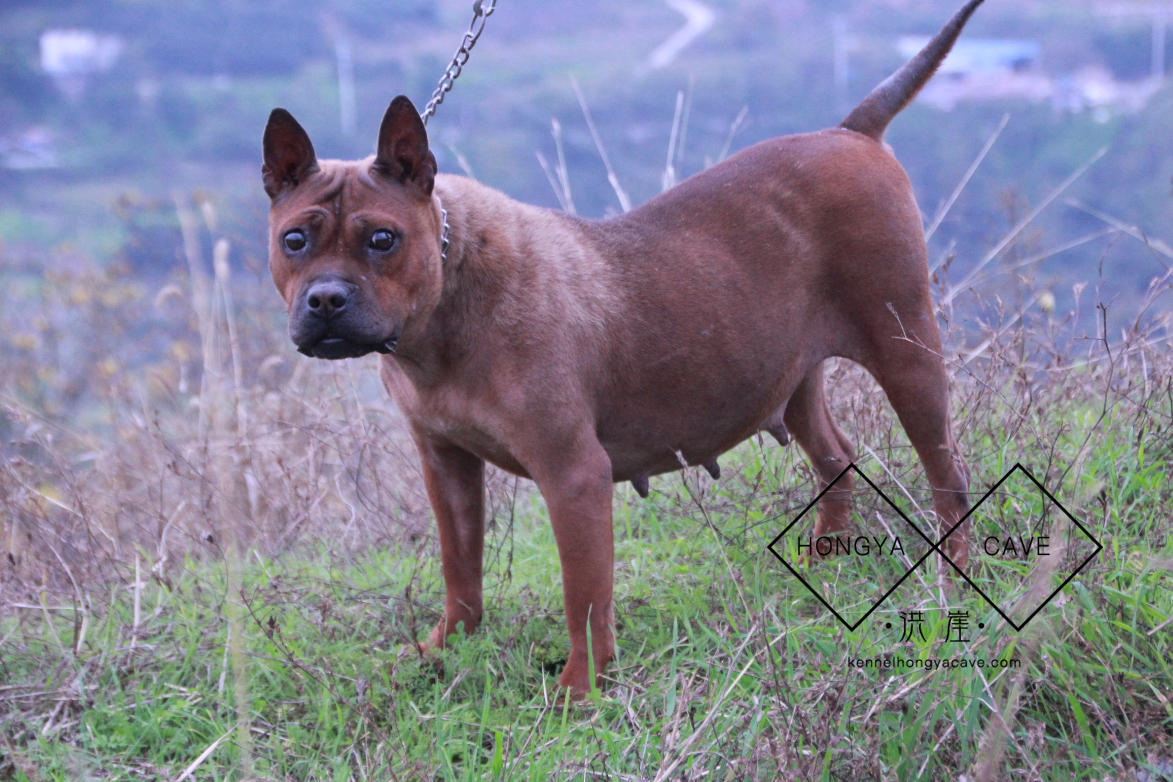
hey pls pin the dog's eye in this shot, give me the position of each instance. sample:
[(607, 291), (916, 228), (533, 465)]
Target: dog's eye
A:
[(294, 241), (382, 241)]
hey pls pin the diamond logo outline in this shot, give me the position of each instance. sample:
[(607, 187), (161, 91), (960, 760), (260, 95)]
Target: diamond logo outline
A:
[(1019, 468), (812, 504)]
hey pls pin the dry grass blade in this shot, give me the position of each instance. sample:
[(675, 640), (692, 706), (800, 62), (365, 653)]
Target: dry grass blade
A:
[(992, 339), (462, 161), (612, 178), (955, 290), (1042, 256), (733, 128), (558, 178), (199, 761), (943, 212), (563, 171), (668, 178), (999, 731), (554, 185), (1157, 244), (666, 770)]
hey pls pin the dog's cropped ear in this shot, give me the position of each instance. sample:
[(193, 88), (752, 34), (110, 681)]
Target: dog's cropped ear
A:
[(403, 152), (289, 155)]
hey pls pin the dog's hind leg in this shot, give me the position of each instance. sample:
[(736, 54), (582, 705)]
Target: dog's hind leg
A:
[(808, 418), (912, 373)]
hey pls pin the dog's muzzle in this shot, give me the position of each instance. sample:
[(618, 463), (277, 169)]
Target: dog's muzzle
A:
[(330, 322)]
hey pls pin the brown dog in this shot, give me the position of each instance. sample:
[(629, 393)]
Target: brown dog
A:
[(581, 353)]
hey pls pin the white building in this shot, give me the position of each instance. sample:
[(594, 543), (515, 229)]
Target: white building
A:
[(69, 56)]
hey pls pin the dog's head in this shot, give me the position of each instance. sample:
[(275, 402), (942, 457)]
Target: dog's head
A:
[(354, 247)]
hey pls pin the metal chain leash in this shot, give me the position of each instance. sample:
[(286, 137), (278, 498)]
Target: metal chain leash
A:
[(481, 11)]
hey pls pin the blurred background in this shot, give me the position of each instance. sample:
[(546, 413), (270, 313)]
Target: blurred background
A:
[(108, 106)]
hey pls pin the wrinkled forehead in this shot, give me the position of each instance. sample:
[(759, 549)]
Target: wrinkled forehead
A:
[(340, 188)]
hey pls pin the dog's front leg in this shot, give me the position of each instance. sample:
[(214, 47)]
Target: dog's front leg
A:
[(455, 481), (577, 487)]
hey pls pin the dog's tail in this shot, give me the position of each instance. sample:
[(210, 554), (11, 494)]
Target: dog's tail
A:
[(871, 117)]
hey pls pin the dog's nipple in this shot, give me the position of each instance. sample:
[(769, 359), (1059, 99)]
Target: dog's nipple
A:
[(776, 428), (779, 433), (641, 486)]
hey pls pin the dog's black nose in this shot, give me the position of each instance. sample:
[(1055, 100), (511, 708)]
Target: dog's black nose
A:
[(326, 298)]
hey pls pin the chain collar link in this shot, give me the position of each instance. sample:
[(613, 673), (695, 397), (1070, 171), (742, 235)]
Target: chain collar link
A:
[(444, 230), (481, 11)]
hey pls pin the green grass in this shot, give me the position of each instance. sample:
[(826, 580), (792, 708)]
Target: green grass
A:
[(728, 668)]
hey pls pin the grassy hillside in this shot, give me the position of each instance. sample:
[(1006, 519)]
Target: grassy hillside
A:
[(223, 577)]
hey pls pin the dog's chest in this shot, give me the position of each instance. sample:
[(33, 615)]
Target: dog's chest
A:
[(474, 436), (452, 416)]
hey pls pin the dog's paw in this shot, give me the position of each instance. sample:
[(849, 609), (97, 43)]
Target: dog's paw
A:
[(579, 695), (429, 657), (958, 552)]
